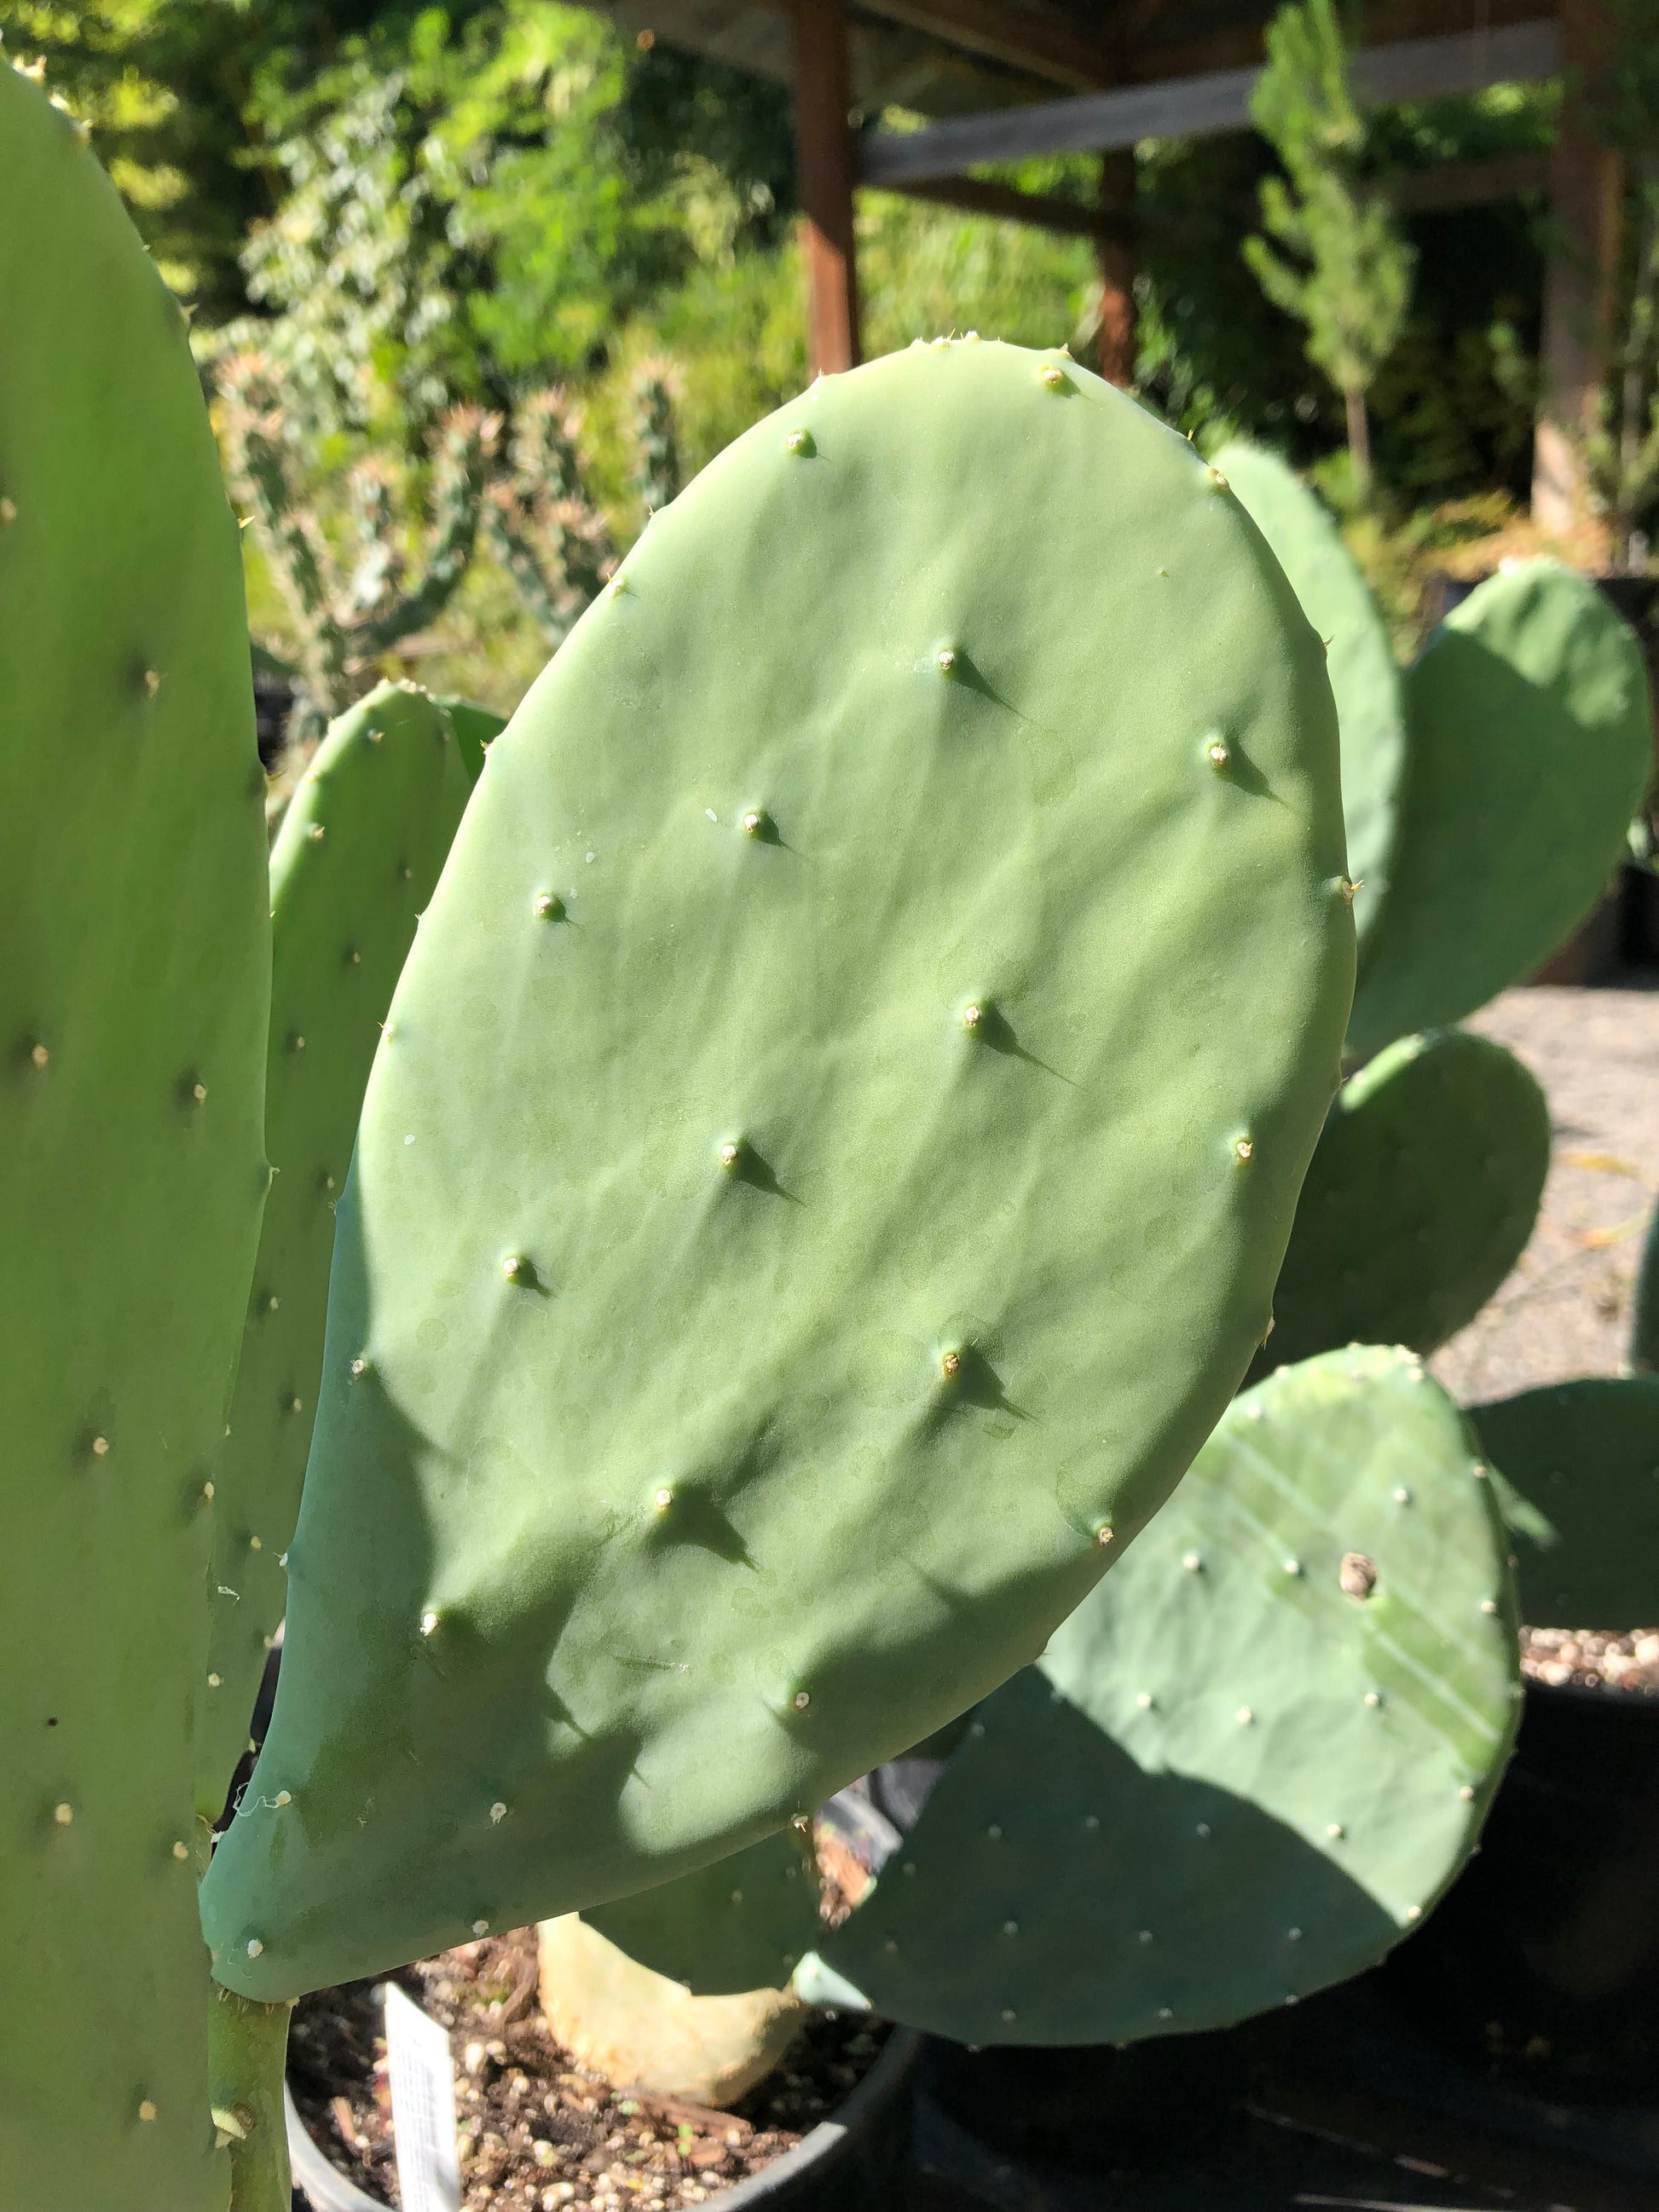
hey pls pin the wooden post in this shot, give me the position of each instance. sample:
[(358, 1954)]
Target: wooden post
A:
[(1586, 190), (1117, 269), (823, 156)]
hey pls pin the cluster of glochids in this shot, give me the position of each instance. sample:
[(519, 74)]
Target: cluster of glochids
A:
[(677, 1443)]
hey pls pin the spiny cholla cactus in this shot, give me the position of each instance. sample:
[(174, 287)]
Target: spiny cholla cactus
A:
[(345, 623), (540, 518), (540, 522), (652, 389)]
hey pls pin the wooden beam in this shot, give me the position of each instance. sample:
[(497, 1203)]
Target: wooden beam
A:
[(823, 156), (1037, 40), (1002, 203), (1416, 68), (1586, 193), (1467, 184), (1117, 339)]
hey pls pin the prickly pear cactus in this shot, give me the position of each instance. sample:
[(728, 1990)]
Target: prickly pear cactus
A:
[(826, 1170), (1531, 745), (1645, 1318), (359, 851), (1420, 1199), (1365, 677), (1576, 1473), (1246, 1765), (477, 728), (133, 1030)]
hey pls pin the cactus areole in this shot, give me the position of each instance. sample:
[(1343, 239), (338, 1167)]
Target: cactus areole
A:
[(735, 1353)]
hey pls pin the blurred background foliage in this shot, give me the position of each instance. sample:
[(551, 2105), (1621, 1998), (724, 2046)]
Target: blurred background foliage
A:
[(405, 207)]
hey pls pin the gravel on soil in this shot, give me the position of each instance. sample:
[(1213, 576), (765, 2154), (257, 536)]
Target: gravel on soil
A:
[(537, 2132), (1565, 1311)]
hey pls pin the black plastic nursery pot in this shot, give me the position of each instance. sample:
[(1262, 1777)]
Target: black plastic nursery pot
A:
[(857, 2158), (1540, 1969)]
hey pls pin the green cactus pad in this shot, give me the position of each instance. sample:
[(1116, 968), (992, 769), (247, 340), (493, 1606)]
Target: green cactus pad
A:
[(1644, 1316), (1576, 1473), (1530, 747), (1420, 1199), (835, 1142), (745, 1923), (133, 983), (1364, 677), (354, 861), (1230, 1781), (476, 728)]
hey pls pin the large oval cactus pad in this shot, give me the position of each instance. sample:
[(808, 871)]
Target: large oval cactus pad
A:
[(1577, 1477), (1530, 746), (1365, 677), (134, 971), (1420, 1198), (354, 861), (835, 1142), (1246, 1765)]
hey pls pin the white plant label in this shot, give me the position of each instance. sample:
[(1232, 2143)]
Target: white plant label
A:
[(422, 2107)]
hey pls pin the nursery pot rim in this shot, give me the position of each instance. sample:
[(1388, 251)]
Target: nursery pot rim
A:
[(328, 2191)]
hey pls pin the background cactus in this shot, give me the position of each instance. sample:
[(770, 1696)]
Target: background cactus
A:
[(354, 861), (657, 472), (1579, 1485), (1422, 1194), (1528, 746), (1246, 1765), (132, 1035), (347, 621), (542, 522), (1365, 678), (866, 981)]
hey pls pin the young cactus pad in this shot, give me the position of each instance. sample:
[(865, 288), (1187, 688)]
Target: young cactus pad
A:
[(1420, 1199), (1365, 677), (132, 1035), (1246, 1765), (1577, 1474), (477, 728), (359, 851), (827, 1168), (1531, 745)]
